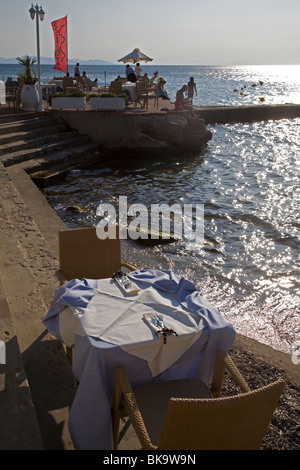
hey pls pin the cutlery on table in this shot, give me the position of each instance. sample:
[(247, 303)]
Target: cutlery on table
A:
[(125, 283), (158, 321)]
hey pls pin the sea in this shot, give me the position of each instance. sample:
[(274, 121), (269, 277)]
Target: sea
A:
[(246, 180)]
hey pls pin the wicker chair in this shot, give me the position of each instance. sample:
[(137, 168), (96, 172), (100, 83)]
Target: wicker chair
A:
[(116, 87), (68, 85), (79, 83), (83, 255), (13, 96), (145, 95), (186, 415)]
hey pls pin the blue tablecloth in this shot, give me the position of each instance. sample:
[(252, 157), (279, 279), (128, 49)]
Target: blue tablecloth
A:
[(94, 360)]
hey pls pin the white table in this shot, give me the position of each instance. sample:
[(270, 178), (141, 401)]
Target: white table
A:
[(58, 83), (131, 88), (95, 359), (48, 86)]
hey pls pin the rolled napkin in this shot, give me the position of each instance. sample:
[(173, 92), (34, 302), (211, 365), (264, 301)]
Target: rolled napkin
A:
[(127, 286), (158, 325)]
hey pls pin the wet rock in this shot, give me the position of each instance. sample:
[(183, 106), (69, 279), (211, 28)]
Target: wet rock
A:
[(75, 209), (182, 130)]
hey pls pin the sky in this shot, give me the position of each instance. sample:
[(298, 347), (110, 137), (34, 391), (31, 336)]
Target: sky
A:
[(183, 32)]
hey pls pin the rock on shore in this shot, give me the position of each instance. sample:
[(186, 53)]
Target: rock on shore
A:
[(174, 130), (180, 130)]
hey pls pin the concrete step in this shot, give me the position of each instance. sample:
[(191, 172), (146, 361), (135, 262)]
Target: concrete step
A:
[(66, 158), (41, 150), (26, 124), (31, 142), (30, 133), (19, 116), (41, 142)]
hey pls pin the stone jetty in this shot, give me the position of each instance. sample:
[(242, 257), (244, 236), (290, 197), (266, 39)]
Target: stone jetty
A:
[(262, 112)]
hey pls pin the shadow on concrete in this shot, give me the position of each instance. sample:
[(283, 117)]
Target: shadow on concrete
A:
[(53, 388), (19, 428)]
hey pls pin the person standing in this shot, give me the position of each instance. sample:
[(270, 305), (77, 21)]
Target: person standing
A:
[(76, 70), (191, 89), (138, 70), (130, 74)]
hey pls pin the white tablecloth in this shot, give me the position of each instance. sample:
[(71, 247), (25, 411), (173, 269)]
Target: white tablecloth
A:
[(95, 359), (58, 83), (131, 88), (126, 321)]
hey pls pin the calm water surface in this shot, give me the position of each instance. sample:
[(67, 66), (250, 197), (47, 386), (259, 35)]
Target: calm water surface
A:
[(248, 180), (215, 84)]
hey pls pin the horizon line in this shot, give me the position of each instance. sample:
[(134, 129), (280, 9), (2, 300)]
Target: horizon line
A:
[(147, 65)]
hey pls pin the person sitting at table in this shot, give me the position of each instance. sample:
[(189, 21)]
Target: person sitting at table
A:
[(95, 83), (179, 102), (161, 92), (129, 100), (146, 78), (87, 83), (130, 74), (153, 80)]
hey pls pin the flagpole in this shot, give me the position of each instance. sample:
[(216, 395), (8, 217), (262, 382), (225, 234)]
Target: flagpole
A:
[(67, 43)]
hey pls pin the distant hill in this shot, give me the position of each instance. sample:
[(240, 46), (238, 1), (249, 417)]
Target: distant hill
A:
[(50, 61)]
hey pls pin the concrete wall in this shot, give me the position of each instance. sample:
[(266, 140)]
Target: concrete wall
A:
[(227, 114)]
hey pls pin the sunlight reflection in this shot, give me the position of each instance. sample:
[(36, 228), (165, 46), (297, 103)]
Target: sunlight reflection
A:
[(249, 184)]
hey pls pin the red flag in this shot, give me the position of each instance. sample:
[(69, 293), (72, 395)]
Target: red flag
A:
[(61, 44)]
